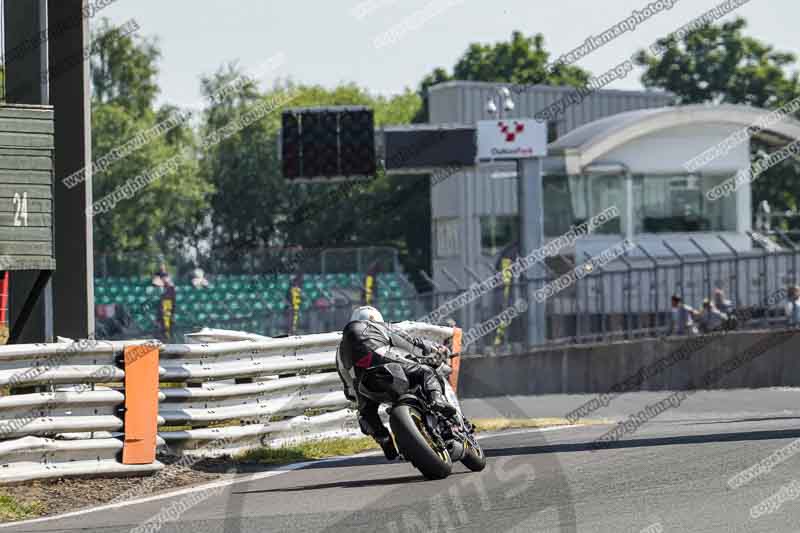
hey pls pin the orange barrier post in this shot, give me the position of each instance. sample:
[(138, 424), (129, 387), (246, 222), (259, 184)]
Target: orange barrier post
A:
[(455, 362), (4, 298), (141, 404)]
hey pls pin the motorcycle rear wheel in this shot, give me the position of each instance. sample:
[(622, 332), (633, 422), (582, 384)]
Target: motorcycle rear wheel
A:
[(416, 444)]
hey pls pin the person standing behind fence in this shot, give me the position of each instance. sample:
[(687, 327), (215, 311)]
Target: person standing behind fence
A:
[(725, 306), (793, 306), (712, 319), (682, 318)]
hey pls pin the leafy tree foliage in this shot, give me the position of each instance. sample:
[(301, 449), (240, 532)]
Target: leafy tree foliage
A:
[(720, 64), (254, 208), (159, 218), (520, 61)]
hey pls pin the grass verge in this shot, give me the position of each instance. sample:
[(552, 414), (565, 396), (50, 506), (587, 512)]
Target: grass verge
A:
[(311, 451), (308, 451), (499, 424), (11, 509)]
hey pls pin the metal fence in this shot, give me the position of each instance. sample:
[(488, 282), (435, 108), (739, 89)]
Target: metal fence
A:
[(268, 260), (627, 299), (631, 297)]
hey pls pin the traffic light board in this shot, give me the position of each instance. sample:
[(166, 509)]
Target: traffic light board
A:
[(334, 142), (357, 143), (290, 146)]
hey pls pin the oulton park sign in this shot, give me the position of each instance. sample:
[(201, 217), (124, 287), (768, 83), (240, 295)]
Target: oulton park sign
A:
[(511, 139)]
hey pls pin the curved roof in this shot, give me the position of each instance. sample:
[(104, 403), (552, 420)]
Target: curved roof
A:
[(588, 143)]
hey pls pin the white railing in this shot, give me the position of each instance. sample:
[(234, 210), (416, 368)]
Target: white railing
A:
[(226, 393)]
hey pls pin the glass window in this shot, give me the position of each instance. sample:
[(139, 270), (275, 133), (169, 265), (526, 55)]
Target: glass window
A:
[(448, 238), (558, 209), (664, 204), (572, 200), (497, 232), (605, 192)]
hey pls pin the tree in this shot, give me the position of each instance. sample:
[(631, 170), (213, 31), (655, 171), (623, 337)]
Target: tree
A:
[(521, 61), (249, 196), (158, 219), (718, 63), (124, 70), (255, 208)]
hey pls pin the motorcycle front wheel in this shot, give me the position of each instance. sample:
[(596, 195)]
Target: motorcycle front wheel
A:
[(474, 459), (416, 444)]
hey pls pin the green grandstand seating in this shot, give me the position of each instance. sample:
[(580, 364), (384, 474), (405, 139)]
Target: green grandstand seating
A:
[(241, 298)]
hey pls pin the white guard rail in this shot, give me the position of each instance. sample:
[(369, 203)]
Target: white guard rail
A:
[(58, 421), (285, 379), (226, 393)]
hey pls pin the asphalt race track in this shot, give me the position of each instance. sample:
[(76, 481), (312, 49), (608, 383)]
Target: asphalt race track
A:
[(670, 475)]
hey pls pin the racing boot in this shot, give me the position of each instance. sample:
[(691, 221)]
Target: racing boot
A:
[(441, 405), (387, 445)]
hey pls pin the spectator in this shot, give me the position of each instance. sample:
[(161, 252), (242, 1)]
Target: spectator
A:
[(199, 280), (725, 306), (712, 319), (161, 278), (793, 306), (682, 319)]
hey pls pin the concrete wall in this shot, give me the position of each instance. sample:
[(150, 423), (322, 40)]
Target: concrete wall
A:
[(598, 368)]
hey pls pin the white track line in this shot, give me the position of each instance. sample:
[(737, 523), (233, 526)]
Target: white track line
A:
[(247, 477)]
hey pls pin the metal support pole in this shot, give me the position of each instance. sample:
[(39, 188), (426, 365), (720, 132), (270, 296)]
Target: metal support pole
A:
[(73, 281), (601, 293), (656, 298), (707, 269), (681, 262), (531, 217), (629, 299), (735, 280)]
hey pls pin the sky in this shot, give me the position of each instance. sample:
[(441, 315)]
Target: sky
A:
[(333, 41)]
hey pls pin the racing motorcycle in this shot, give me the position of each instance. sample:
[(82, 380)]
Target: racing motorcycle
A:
[(427, 439)]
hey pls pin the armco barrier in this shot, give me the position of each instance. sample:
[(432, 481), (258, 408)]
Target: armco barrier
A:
[(95, 409), (74, 425), (278, 382)]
